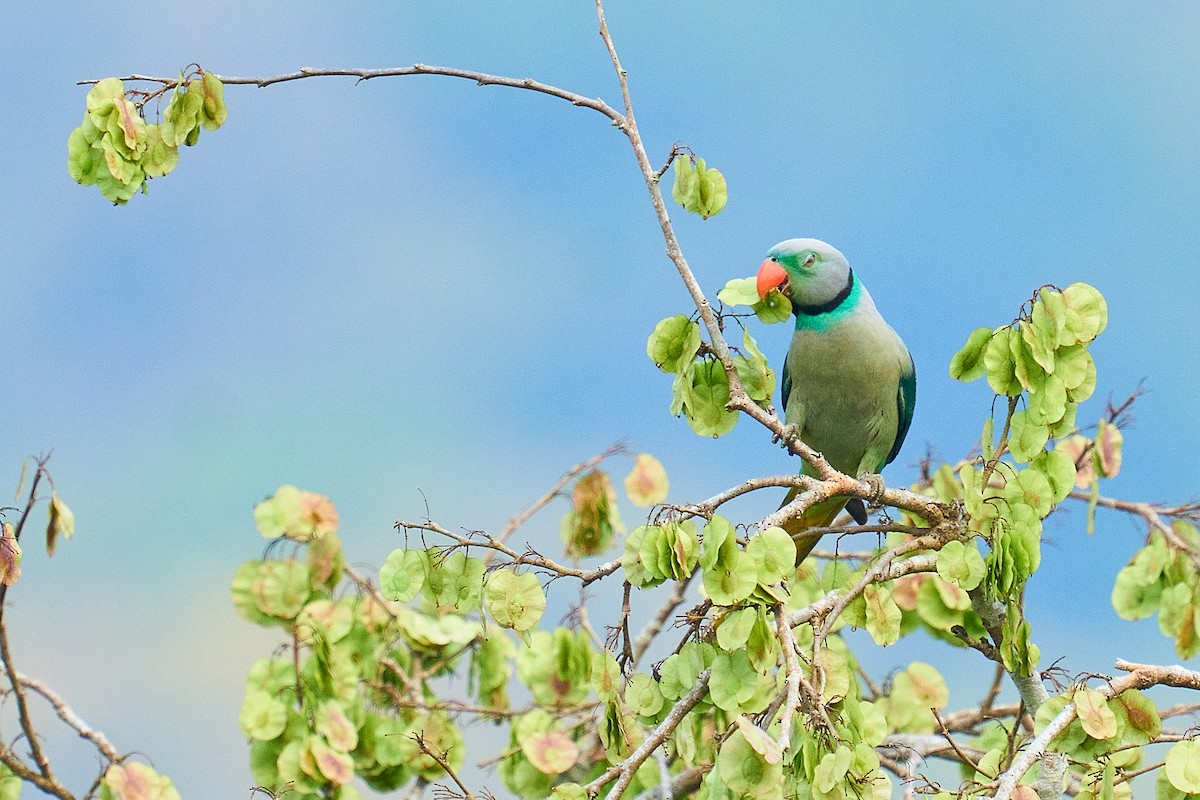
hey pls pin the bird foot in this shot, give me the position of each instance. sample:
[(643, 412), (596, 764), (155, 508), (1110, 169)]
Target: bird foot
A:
[(789, 431), (877, 487)]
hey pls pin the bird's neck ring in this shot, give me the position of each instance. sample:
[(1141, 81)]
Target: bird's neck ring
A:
[(832, 304)]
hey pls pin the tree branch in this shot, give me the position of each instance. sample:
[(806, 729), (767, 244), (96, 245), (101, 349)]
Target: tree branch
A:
[(1141, 676), (481, 78)]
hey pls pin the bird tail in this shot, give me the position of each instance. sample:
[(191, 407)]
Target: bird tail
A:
[(817, 516)]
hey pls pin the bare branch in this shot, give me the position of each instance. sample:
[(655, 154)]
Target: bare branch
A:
[(481, 78)]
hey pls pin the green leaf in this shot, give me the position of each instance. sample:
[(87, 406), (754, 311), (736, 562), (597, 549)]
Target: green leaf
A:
[(734, 629), (1141, 723), (159, 157), (774, 308), (631, 561), (453, 583), (402, 575), (1089, 308), (687, 182), (674, 343), (1031, 488), (212, 91), (882, 615), (998, 360), (1183, 766), (774, 555), (961, 564), (1026, 437), (262, 716), (757, 378), (731, 581), (1058, 469), (705, 407), (744, 770), (1133, 598), (720, 542), (643, 696), (967, 364), (712, 191), (1097, 718), (740, 292), (514, 601), (62, 523), (832, 769), (733, 680)]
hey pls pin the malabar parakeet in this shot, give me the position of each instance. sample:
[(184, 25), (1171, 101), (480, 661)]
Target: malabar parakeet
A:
[(849, 384)]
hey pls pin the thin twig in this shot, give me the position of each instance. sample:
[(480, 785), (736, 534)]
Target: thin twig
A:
[(481, 78)]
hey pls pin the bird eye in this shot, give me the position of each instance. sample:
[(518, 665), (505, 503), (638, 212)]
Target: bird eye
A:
[(775, 259), (812, 259)]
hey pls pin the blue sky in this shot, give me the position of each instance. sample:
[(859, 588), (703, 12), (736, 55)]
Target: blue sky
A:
[(419, 291)]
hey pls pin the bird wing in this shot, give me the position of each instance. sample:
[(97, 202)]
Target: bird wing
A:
[(906, 400)]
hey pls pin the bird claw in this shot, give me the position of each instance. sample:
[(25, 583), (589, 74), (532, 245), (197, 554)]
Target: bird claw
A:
[(789, 431), (877, 487)]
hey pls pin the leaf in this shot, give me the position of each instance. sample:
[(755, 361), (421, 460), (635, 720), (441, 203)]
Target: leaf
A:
[(774, 553), (967, 364), (589, 528), (758, 739), (774, 308), (10, 555), (674, 343), (1026, 437), (1142, 724), (1097, 718), (705, 407), (712, 191), (643, 696), (159, 157), (733, 680), (631, 561), (734, 629), (262, 716), (62, 523), (961, 564), (998, 359), (210, 88), (757, 378), (1089, 308), (744, 770), (647, 484), (402, 575), (730, 582), (514, 600), (552, 752), (1108, 449), (883, 615), (1183, 766), (740, 292), (687, 182), (134, 780), (832, 768), (1059, 471)]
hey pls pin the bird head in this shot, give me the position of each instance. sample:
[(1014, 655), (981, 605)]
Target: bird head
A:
[(808, 271)]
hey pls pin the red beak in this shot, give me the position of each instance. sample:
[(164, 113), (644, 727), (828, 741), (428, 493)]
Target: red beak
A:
[(770, 276)]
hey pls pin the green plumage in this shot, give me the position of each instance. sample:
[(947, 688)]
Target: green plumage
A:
[(849, 384)]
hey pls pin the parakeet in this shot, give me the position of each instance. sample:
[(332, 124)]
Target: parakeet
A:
[(849, 384)]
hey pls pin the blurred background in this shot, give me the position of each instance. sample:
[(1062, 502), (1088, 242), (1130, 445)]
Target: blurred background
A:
[(421, 296)]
